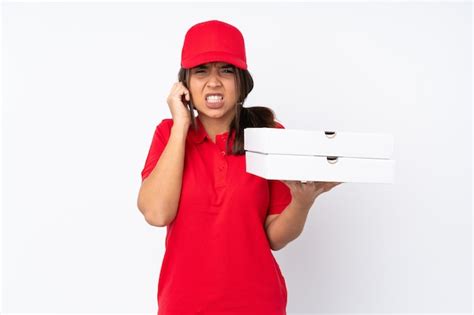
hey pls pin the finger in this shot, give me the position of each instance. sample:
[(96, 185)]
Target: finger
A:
[(335, 184), (182, 90), (330, 186), (312, 186), (318, 185), (177, 89), (303, 184), (299, 185), (178, 85), (186, 92)]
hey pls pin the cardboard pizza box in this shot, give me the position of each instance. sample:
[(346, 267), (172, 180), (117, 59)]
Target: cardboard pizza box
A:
[(309, 155)]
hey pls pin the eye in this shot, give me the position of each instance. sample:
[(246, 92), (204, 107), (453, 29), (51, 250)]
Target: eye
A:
[(229, 70)]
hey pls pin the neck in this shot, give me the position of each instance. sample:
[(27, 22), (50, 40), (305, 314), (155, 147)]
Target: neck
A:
[(215, 127)]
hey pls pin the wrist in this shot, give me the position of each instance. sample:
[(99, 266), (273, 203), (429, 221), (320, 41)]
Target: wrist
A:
[(300, 205), (180, 130)]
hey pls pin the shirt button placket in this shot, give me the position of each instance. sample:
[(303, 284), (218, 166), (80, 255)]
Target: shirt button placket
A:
[(222, 166)]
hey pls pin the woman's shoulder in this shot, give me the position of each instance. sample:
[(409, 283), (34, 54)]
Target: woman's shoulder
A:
[(165, 124), (163, 128)]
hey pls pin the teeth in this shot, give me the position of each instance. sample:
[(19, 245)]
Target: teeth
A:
[(214, 98)]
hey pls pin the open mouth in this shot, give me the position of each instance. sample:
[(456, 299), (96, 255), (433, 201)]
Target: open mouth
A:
[(214, 100)]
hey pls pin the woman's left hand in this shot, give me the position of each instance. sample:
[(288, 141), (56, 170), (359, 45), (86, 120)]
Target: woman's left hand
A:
[(304, 193)]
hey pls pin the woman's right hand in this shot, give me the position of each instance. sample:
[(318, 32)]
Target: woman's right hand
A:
[(179, 111)]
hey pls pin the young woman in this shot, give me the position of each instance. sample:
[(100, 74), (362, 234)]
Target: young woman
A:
[(222, 222)]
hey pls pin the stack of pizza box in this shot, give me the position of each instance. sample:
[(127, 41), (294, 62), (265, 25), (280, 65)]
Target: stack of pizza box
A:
[(323, 156)]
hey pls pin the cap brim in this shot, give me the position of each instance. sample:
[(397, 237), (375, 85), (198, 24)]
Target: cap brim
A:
[(213, 57)]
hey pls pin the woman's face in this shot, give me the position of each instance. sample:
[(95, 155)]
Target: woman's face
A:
[(213, 89)]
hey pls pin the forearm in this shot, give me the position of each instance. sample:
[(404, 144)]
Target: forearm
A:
[(161, 190), (287, 226)]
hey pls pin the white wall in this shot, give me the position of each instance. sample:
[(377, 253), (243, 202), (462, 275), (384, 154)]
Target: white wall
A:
[(86, 84)]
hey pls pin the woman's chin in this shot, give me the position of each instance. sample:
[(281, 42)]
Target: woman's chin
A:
[(217, 112), (213, 113), (214, 105)]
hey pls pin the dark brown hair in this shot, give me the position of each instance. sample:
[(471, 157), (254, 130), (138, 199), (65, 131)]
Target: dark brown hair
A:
[(245, 117)]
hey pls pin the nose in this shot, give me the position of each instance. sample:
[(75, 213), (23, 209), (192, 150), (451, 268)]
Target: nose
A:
[(214, 79)]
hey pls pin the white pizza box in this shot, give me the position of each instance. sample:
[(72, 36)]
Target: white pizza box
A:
[(309, 155), (320, 168), (321, 143)]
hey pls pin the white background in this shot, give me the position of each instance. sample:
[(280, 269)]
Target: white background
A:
[(85, 84)]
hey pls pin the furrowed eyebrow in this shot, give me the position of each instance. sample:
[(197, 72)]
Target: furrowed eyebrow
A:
[(227, 65)]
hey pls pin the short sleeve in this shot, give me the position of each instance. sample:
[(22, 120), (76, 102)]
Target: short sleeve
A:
[(280, 193), (158, 144), (280, 196)]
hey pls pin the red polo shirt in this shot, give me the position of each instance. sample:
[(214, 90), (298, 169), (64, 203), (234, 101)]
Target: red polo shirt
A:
[(218, 258)]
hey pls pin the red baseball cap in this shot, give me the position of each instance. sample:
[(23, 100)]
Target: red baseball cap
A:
[(213, 41)]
